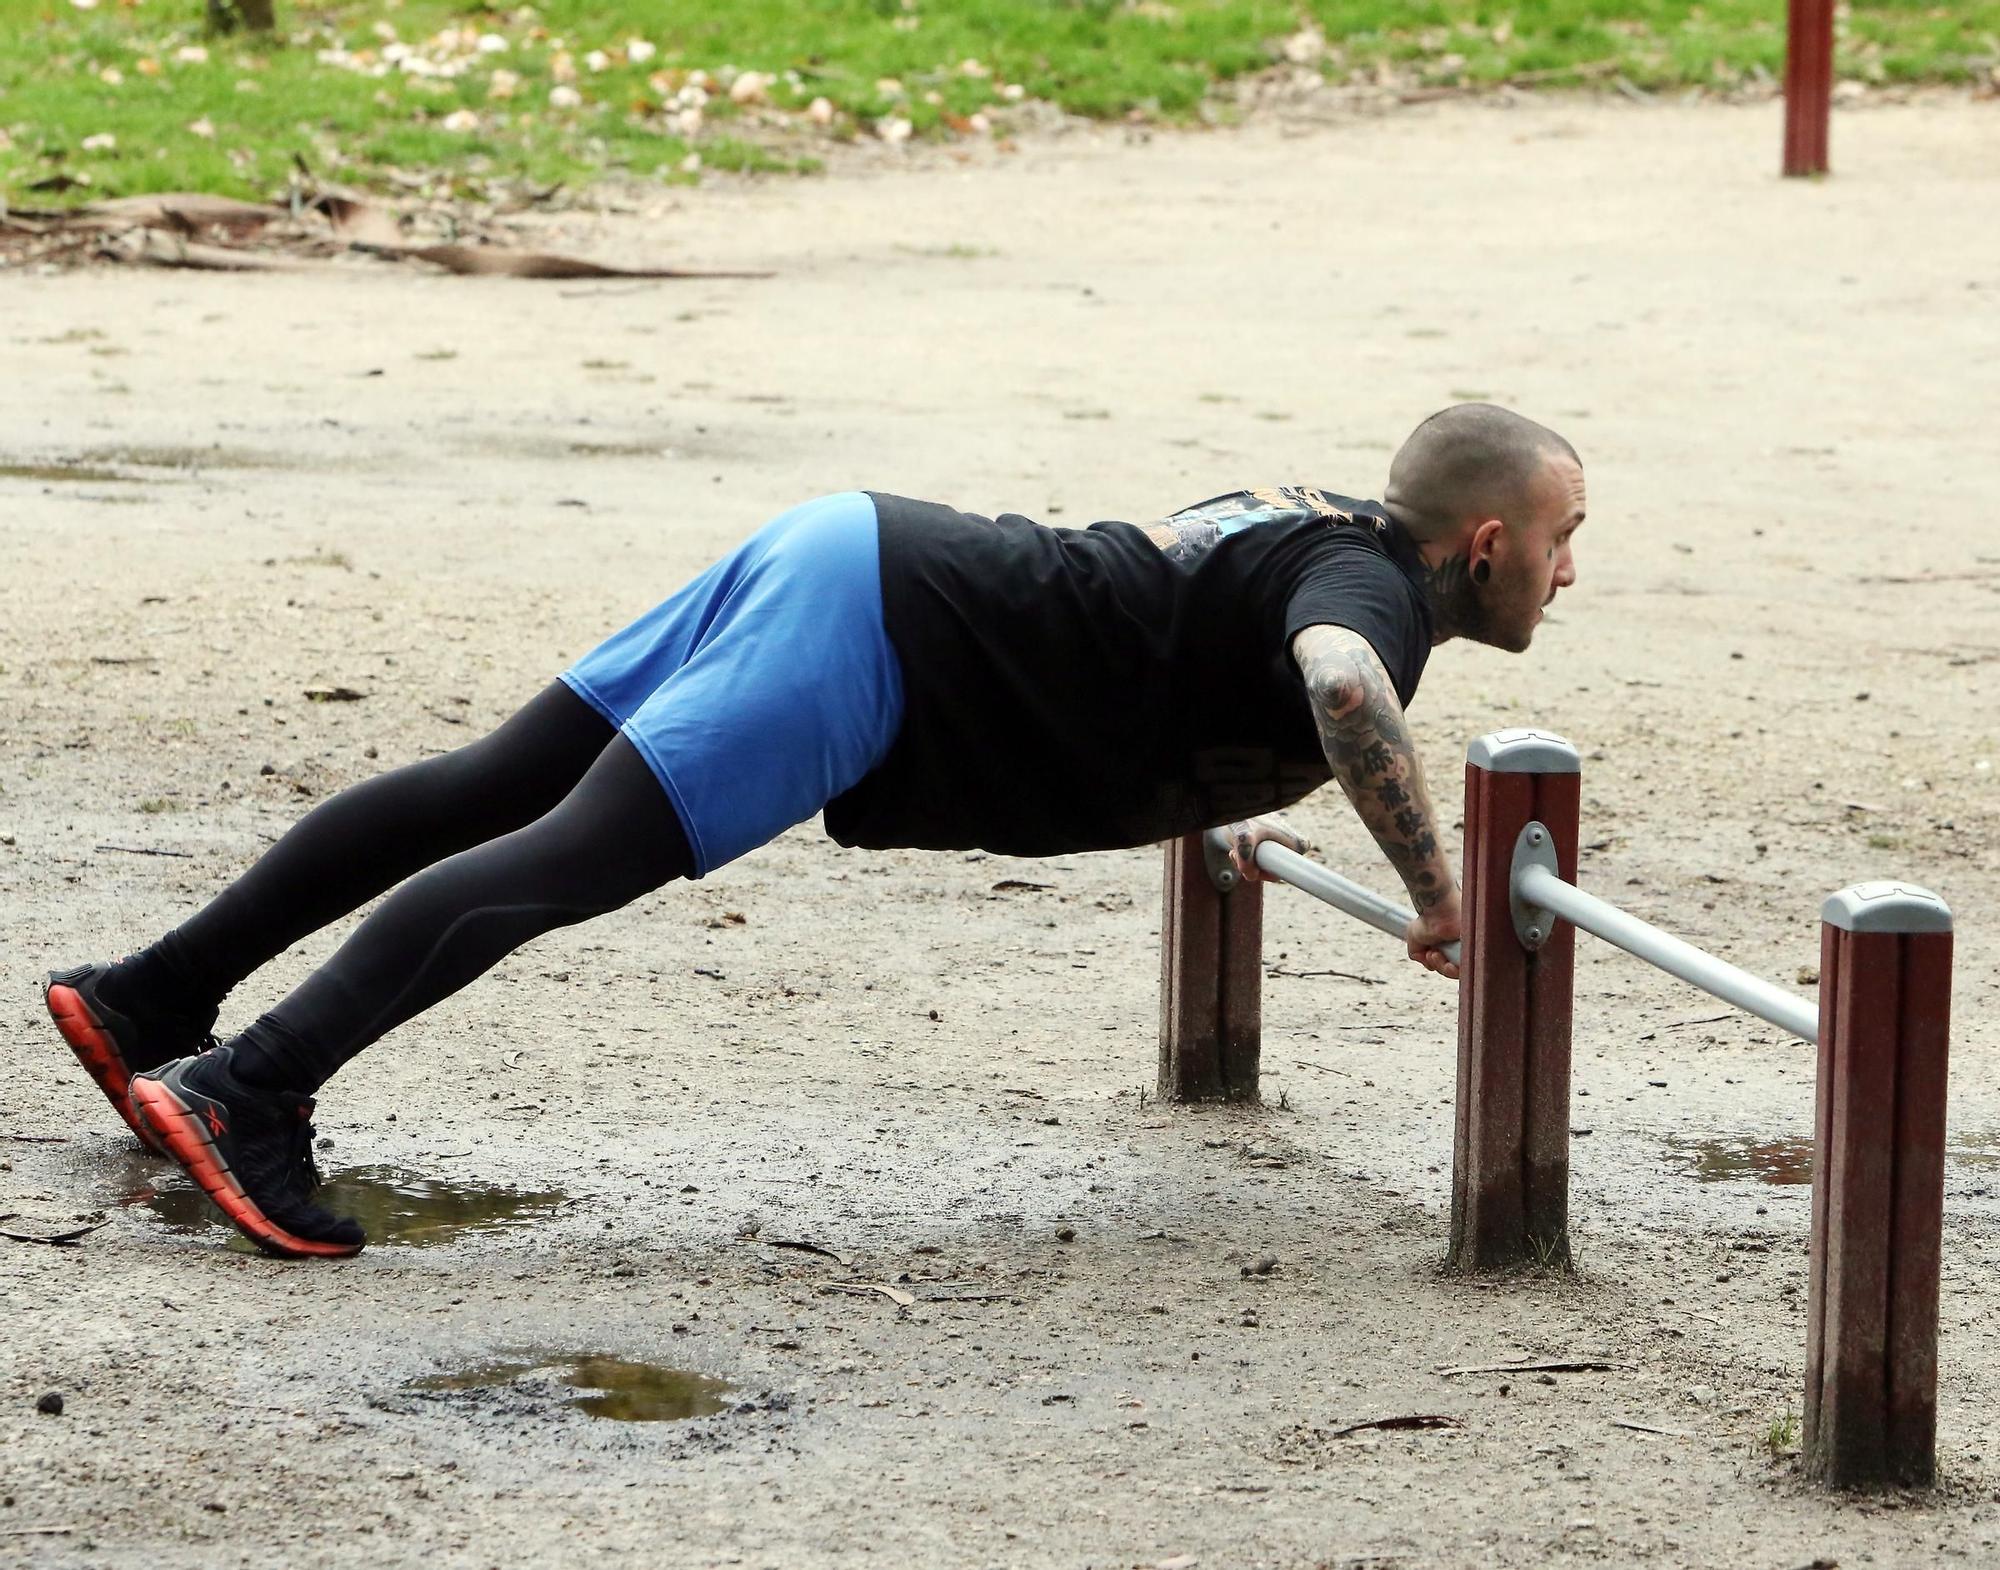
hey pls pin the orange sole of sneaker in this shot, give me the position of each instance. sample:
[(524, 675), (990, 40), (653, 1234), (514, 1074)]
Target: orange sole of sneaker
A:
[(99, 1056), (188, 1142)]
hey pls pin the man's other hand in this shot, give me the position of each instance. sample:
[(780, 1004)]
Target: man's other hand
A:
[(1244, 838), (1427, 935)]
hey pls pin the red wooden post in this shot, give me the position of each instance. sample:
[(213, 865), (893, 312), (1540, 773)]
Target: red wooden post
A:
[(1510, 1149), (1808, 85), (1211, 979), (1878, 1186)]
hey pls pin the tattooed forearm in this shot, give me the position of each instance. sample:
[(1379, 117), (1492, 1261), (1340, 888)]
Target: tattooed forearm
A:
[(1368, 748)]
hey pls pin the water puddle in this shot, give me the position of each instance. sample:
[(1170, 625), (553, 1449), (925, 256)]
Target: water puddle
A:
[(1779, 1161), (1789, 1161), (607, 1387), (393, 1206)]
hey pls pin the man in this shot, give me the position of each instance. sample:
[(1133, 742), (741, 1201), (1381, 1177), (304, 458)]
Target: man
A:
[(929, 678)]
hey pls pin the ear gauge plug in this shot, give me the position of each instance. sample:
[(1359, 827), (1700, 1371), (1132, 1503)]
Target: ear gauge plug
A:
[(1481, 571)]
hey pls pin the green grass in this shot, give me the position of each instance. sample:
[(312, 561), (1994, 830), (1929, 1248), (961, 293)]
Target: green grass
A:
[(1782, 1437), (129, 71)]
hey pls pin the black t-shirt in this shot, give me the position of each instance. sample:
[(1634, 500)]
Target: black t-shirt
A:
[(1089, 689)]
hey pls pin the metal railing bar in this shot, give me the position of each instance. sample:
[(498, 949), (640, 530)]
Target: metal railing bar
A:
[(1787, 1010), (1343, 894)]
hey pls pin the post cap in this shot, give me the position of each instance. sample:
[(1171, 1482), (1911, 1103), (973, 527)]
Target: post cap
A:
[(1886, 907), (1523, 751)]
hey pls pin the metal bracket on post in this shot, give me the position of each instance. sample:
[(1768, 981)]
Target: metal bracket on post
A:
[(1535, 847), (1215, 855)]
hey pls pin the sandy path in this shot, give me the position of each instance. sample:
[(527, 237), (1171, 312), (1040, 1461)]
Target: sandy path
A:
[(1780, 664)]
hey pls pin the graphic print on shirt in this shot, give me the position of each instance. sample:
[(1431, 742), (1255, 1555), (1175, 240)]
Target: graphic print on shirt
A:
[(1193, 532)]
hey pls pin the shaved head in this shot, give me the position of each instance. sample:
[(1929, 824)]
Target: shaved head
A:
[(1468, 463)]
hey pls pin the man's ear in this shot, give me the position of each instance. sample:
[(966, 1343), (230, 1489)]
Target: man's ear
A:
[(1480, 546)]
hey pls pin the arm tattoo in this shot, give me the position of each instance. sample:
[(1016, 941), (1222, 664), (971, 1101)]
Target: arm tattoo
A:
[(1369, 750)]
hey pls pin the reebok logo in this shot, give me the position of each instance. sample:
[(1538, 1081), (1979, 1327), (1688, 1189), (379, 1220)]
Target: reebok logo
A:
[(216, 1127)]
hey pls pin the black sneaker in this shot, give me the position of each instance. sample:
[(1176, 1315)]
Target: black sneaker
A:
[(112, 1044), (249, 1149)]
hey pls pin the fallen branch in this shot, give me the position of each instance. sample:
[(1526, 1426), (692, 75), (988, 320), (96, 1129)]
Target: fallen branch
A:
[(1410, 1420), (492, 262), (804, 1247), (1649, 1428), (866, 1289), (58, 1239), (1304, 975), (141, 850), (1588, 1365), (216, 234)]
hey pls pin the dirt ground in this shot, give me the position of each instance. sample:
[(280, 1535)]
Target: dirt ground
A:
[(1781, 664)]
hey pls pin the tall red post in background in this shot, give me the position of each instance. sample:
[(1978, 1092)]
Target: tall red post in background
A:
[(1878, 1186), (1808, 85), (1510, 1146)]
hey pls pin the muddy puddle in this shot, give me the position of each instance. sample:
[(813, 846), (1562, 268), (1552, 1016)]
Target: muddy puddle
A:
[(393, 1205), (184, 458), (117, 465), (1789, 1161), (608, 1387), (64, 473)]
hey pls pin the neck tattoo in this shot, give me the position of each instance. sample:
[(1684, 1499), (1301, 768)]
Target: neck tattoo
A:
[(1454, 599)]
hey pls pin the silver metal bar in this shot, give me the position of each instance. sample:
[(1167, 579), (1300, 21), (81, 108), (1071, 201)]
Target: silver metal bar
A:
[(1343, 894), (1536, 885)]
